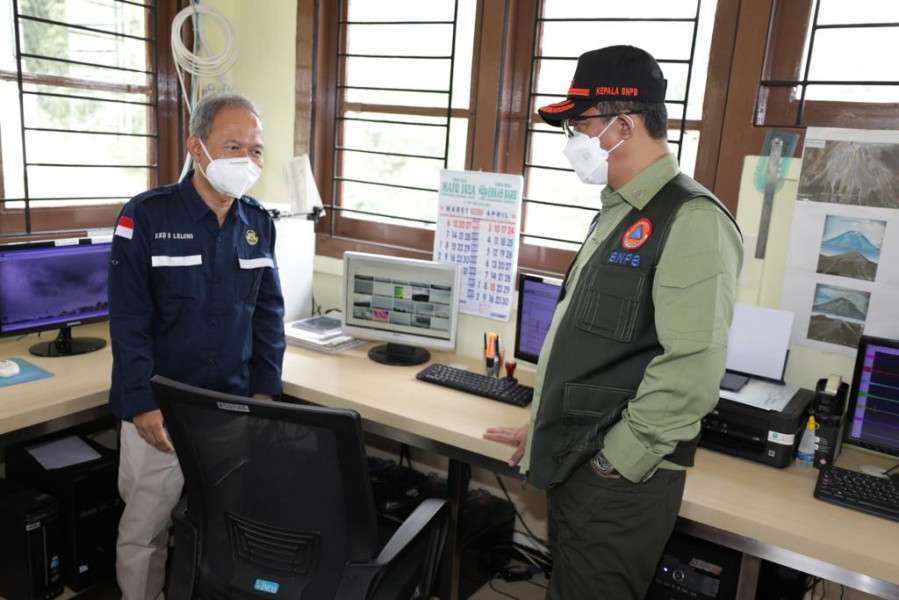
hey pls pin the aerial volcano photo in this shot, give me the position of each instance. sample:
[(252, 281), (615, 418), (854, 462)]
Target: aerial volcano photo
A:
[(856, 173), (851, 247), (838, 315)]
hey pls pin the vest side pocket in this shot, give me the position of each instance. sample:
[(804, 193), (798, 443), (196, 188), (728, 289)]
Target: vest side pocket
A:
[(609, 304), (587, 413)]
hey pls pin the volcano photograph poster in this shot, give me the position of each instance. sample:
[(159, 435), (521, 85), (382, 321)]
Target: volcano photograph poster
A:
[(841, 277)]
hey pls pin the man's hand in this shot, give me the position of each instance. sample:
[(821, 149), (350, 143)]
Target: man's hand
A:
[(265, 397), (151, 427), (517, 437)]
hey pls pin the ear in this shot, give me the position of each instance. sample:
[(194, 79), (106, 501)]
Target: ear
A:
[(626, 126), (194, 148)]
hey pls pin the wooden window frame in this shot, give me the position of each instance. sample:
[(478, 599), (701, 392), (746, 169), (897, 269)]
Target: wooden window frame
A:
[(74, 221), (501, 78)]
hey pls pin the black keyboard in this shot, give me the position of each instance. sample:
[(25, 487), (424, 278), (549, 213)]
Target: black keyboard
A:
[(495, 388), (874, 495)]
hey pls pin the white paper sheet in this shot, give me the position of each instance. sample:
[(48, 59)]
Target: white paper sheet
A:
[(758, 341), (763, 394), (64, 452)]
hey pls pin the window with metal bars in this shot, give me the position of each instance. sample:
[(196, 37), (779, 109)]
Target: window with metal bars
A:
[(828, 63), (557, 207), (79, 95), (402, 111)]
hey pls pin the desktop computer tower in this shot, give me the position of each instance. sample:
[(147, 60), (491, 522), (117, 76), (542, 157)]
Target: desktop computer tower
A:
[(30, 543), (90, 509), (695, 569)]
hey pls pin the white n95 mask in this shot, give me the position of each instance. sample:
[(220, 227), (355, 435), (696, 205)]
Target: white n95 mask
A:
[(589, 161), (230, 176)]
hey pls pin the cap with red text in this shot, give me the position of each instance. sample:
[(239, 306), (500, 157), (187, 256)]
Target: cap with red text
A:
[(617, 73)]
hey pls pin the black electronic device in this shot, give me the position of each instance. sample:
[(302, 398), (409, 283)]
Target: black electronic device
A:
[(872, 422), (30, 543), (54, 285), (766, 436), (828, 407), (504, 389), (537, 298), (878, 496), (90, 508), (691, 568)]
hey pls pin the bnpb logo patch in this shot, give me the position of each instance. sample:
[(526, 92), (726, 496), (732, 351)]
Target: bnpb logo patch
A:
[(637, 234)]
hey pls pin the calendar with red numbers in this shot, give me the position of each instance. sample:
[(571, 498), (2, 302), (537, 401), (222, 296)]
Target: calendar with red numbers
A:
[(478, 220)]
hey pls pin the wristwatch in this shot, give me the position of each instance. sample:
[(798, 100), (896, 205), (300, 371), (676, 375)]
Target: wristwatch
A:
[(601, 464)]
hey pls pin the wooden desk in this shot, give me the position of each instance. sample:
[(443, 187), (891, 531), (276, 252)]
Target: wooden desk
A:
[(763, 512)]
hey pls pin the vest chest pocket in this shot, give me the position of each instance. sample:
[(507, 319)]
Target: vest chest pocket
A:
[(610, 301), (251, 267), (178, 270)]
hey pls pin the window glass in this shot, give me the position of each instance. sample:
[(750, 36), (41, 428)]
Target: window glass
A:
[(392, 143), (83, 128)]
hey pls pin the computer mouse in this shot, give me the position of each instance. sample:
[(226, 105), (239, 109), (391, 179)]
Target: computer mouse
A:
[(8, 368)]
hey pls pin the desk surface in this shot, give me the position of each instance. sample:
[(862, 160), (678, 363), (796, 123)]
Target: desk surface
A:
[(770, 506)]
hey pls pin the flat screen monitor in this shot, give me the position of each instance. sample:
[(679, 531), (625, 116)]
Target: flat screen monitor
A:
[(872, 416), (54, 285), (537, 297), (410, 304)]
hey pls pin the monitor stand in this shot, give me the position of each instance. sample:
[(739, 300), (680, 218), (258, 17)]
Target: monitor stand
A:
[(399, 355), (66, 345)]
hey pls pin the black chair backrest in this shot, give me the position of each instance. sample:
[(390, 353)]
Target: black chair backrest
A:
[(279, 493)]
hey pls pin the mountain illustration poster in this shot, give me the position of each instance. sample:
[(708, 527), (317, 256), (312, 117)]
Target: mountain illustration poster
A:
[(851, 247), (841, 277)]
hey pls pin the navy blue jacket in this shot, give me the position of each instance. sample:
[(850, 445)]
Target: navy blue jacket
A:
[(193, 301)]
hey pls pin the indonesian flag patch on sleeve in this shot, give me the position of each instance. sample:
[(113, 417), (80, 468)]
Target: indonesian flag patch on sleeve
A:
[(125, 227)]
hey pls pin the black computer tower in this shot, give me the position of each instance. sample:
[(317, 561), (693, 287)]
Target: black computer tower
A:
[(30, 543), (695, 569), (90, 509)]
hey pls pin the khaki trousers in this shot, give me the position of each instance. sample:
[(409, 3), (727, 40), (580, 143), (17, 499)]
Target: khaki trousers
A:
[(150, 483)]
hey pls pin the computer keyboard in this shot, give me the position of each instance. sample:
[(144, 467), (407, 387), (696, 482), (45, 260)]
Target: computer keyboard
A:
[(874, 495), (495, 388)]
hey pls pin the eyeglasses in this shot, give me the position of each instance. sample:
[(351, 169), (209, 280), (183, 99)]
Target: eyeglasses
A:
[(571, 126)]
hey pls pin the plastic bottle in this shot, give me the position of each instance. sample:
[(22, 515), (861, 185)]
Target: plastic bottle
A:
[(805, 456)]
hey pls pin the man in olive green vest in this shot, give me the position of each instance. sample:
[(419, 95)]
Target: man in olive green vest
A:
[(637, 345)]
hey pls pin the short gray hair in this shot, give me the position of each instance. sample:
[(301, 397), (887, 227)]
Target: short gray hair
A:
[(206, 109)]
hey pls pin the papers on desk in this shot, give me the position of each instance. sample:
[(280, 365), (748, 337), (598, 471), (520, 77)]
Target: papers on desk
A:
[(762, 394), (61, 453), (319, 333)]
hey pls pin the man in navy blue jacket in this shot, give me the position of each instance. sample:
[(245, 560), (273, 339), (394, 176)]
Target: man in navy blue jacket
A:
[(194, 295)]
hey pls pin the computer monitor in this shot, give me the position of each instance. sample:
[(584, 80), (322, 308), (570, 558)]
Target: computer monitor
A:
[(54, 285), (537, 297), (408, 303), (872, 417)]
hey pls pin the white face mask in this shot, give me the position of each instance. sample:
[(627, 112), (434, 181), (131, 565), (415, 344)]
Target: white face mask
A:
[(589, 161), (230, 176)]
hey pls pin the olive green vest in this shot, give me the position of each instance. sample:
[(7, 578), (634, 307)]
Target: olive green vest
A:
[(606, 339)]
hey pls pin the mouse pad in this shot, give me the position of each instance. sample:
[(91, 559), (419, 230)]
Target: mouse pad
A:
[(27, 372)]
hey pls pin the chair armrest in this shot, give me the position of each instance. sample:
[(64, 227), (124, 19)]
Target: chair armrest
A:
[(358, 576), (426, 512), (185, 556)]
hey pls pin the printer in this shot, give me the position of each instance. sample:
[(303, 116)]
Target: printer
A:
[(758, 417), (765, 435)]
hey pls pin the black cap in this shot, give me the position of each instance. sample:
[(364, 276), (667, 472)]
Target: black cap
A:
[(612, 73)]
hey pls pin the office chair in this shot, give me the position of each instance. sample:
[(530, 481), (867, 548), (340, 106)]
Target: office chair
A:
[(278, 501)]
